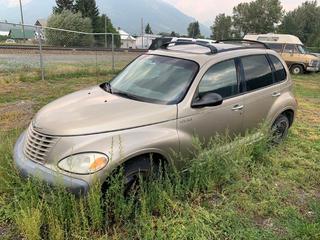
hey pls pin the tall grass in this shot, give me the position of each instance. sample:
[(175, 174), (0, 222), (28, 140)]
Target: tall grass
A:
[(166, 207)]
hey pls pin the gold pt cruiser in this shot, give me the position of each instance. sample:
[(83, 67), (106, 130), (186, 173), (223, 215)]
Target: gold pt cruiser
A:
[(154, 107)]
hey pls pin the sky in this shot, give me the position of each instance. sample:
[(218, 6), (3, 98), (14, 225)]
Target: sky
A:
[(206, 10), (203, 10), (14, 3)]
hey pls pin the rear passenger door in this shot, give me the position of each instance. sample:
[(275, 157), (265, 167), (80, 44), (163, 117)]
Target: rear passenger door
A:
[(260, 90)]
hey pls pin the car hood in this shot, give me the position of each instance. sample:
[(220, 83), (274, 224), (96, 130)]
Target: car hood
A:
[(94, 110)]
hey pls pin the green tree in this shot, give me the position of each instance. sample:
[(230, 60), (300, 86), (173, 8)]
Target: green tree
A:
[(70, 21), (148, 29), (303, 22), (89, 9), (174, 34), (259, 16), (105, 26), (63, 5), (222, 27), (194, 30)]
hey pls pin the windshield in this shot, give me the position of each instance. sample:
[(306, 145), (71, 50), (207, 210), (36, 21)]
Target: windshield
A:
[(302, 49), (155, 79)]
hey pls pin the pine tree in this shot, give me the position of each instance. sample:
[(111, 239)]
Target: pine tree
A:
[(88, 8), (63, 5), (148, 29)]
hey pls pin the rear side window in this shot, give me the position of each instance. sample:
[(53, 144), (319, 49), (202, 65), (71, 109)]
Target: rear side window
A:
[(280, 72), (220, 78), (276, 47), (257, 72)]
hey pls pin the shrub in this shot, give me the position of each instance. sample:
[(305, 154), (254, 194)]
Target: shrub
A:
[(69, 21)]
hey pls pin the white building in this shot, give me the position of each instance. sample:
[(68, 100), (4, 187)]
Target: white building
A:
[(127, 41), (145, 41), (4, 33)]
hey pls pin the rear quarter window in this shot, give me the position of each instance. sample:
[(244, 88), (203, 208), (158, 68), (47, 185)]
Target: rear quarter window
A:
[(280, 73)]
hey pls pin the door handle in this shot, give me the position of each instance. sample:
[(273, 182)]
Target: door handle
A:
[(237, 107), (276, 94)]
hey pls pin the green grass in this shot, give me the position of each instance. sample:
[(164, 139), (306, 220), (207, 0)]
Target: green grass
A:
[(253, 192)]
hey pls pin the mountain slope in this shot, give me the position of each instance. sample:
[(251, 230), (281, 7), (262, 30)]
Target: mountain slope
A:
[(162, 16), (126, 14)]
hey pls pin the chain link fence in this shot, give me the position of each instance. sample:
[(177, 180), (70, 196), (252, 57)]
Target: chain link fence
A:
[(44, 52)]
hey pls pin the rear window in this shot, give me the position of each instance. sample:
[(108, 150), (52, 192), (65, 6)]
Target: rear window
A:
[(257, 72), (280, 72)]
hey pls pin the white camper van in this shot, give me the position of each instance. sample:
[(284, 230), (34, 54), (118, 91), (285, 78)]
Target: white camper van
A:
[(292, 50)]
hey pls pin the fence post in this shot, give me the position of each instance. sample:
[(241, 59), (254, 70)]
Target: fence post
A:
[(40, 52), (38, 31), (112, 43)]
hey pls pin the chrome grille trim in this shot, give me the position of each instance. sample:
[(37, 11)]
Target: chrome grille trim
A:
[(37, 145)]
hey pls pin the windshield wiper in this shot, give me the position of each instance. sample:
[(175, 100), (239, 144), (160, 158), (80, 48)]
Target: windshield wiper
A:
[(127, 95), (107, 87)]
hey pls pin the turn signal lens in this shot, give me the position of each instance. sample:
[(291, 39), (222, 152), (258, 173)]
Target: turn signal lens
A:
[(98, 164)]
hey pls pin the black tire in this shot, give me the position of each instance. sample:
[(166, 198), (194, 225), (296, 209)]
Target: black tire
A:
[(135, 170), (296, 69), (280, 129)]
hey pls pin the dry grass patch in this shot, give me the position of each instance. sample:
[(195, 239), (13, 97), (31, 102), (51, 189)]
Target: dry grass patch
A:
[(15, 115)]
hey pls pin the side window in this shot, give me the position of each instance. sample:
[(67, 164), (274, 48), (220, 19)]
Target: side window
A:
[(289, 48), (280, 72), (257, 72), (276, 47), (220, 78)]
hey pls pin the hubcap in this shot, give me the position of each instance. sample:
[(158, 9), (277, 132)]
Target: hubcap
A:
[(296, 70)]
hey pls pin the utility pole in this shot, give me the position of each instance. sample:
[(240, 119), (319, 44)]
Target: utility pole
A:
[(142, 37), (105, 31), (22, 21)]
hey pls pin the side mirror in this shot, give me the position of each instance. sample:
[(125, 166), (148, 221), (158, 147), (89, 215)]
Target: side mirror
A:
[(207, 100)]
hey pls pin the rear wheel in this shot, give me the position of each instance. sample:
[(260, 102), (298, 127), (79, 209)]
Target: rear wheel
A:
[(280, 129), (296, 69)]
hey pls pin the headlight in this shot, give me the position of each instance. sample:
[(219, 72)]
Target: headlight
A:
[(84, 163), (313, 63)]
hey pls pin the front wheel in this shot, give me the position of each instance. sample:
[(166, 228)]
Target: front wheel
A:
[(134, 171), (280, 129)]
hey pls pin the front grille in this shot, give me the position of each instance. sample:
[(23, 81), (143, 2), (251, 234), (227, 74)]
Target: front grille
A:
[(37, 145)]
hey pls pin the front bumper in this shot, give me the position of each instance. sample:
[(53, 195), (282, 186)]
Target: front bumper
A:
[(28, 168), (312, 69)]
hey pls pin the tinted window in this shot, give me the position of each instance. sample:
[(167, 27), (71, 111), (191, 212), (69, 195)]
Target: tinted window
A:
[(280, 72), (220, 78), (257, 72), (275, 46)]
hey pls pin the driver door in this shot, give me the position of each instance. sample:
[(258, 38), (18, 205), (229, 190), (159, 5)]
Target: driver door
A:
[(224, 79)]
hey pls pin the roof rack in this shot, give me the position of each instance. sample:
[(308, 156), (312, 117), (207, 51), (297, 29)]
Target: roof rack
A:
[(245, 41), (213, 49)]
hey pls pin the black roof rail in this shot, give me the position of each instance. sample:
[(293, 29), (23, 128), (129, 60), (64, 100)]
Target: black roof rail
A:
[(244, 40), (213, 49)]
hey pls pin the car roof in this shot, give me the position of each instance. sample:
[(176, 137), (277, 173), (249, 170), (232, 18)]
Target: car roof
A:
[(202, 54), (274, 38)]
